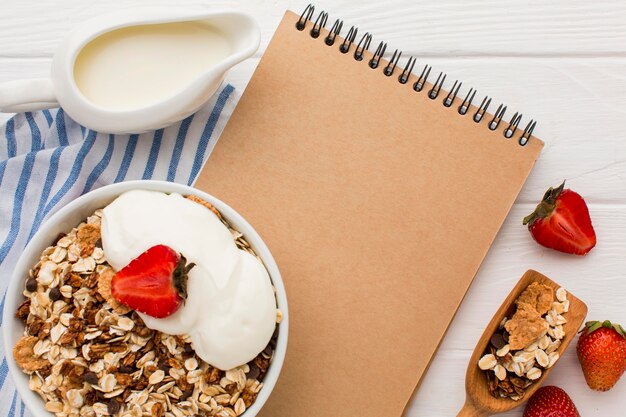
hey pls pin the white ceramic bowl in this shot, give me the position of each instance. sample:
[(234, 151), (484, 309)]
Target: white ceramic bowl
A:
[(70, 216)]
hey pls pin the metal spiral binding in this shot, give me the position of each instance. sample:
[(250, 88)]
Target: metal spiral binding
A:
[(364, 44), (421, 81), (408, 69), (334, 32), (349, 40), (380, 51), (391, 66), (434, 92), (320, 23)]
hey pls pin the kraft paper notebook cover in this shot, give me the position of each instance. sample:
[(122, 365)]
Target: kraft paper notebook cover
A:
[(378, 204)]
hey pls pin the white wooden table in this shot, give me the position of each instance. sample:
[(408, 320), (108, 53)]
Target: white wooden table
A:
[(561, 62)]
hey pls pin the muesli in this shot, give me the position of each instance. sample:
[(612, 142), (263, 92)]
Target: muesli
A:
[(526, 344), (88, 355)]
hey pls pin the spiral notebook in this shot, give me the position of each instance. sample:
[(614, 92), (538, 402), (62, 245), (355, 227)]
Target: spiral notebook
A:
[(379, 194)]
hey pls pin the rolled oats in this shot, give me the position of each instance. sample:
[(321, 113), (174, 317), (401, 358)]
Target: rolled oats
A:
[(156, 377), (554, 345), (47, 272), (542, 358), (566, 306), (54, 406), (191, 364), (544, 342), (500, 372), (100, 409), (503, 351), (75, 398), (534, 374), (552, 357), (556, 332), (523, 357), (531, 348), (240, 406), (558, 307), (107, 383), (125, 324)]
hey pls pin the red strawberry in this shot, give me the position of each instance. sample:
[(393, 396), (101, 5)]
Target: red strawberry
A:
[(561, 222), (602, 354), (550, 402), (154, 283)]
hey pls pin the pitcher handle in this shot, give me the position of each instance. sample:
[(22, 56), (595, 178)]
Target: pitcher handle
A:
[(27, 95)]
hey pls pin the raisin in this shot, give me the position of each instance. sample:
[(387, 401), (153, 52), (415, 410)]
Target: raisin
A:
[(186, 395), (125, 369), (91, 378), (113, 407)]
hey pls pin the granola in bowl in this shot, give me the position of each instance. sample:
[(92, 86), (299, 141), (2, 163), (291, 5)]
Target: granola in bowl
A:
[(86, 354)]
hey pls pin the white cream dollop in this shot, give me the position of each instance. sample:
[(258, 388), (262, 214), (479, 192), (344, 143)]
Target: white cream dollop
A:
[(230, 311)]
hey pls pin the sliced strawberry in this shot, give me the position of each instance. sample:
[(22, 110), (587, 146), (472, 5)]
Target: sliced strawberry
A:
[(561, 222), (154, 283)]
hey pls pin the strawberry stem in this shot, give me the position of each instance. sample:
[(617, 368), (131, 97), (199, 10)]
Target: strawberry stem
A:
[(592, 326), (180, 276), (546, 206)]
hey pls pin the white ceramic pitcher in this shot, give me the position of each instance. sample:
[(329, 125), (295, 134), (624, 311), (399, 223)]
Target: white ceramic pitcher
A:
[(239, 31)]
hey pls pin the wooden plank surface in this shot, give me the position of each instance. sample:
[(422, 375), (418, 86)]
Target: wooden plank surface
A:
[(561, 62)]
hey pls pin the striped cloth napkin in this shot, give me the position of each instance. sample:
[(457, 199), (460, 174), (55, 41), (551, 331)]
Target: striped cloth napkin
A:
[(47, 160)]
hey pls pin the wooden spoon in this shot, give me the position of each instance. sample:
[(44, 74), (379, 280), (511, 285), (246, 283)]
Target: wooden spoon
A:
[(478, 401)]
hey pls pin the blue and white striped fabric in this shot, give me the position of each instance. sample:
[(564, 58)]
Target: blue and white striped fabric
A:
[(47, 160)]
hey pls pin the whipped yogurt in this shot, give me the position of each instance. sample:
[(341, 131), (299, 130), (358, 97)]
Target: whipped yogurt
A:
[(230, 310)]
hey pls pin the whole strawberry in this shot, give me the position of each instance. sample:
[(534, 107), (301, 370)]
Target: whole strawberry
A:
[(550, 402), (561, 221), (154, 283), (602, 354)]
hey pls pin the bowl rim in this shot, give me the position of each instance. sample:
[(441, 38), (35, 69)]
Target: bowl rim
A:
[(41, 240)]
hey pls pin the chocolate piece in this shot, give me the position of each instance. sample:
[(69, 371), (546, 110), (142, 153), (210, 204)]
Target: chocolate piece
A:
[(31, 284), (497, 340), (254, 371), (55, 294)]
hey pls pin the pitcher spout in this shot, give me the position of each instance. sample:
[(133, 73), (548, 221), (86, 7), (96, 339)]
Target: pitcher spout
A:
[(243, 33)]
